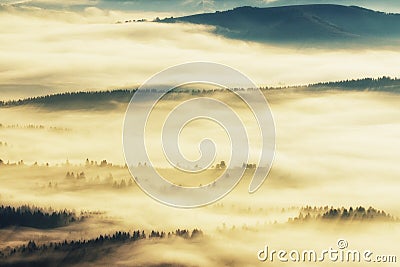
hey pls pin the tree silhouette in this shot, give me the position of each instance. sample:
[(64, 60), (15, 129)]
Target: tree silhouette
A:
[(81, 251), (35, 217), (342, 214)]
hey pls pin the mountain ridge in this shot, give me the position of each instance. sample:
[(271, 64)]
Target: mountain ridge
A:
[(111, 99)]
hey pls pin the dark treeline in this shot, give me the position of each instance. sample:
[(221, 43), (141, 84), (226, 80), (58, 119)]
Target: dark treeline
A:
[(34, 217), (93, 164), (391, 84), (110, 98), (343, 214), (95, 99), (72, 100), (81, 251), (34, 127)]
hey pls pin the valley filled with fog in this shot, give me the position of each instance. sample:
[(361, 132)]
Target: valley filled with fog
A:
[(68, 71), (334, 149)]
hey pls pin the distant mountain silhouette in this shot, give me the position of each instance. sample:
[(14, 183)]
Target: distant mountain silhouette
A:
[(300, 23)]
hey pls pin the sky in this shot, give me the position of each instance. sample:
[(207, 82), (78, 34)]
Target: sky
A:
[(179, 7), (49, 46)]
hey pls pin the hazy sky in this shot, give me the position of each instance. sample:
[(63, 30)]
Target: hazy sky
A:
[(188, 6)]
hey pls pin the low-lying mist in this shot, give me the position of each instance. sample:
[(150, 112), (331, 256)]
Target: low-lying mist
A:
[(333, 149)]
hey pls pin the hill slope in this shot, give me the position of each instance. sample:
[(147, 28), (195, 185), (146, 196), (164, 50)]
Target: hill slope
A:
[(300, 23), (106, 100), (98, 100)]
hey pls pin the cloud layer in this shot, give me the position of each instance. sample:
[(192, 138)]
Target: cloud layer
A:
[(46, 51)]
